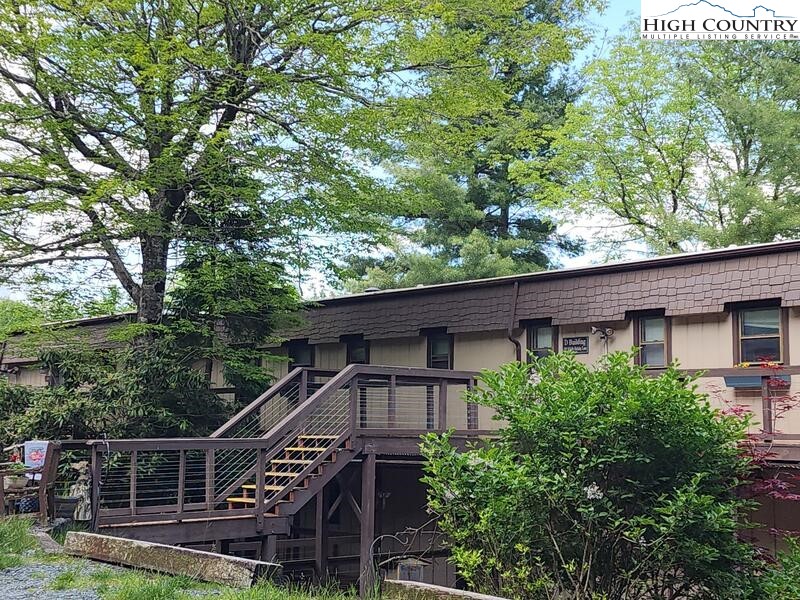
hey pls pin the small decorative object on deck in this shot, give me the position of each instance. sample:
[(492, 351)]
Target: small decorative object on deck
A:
[(82, 491), (35, 453), (15, 479)]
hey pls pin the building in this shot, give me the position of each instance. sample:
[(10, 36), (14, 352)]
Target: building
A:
[(375, 357)]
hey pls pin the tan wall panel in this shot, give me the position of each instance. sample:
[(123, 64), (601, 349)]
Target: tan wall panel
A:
[(32, 376), (794, 336), (404, 352), (330, 356), (276, 366), (703, 342), (621, 340), (473, 352)]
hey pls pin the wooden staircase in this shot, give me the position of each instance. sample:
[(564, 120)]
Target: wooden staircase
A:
[(297, 474)]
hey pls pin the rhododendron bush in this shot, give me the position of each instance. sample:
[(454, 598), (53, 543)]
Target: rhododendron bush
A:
[(605, 482)]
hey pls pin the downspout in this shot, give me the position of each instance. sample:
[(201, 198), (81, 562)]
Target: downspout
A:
[(512, 319)]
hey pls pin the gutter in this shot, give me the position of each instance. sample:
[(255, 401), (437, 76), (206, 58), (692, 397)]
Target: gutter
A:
[(512, 319)]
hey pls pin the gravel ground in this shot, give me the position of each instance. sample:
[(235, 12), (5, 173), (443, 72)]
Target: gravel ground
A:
[(33, 580)]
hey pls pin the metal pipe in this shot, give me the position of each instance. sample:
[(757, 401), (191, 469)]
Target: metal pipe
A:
[(512, 319)]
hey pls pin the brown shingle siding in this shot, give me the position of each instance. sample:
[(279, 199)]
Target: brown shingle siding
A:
[(704, 286)]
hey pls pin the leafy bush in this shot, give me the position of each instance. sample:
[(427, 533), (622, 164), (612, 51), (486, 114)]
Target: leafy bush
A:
[(783, 580), (132, 391), (605, 483)]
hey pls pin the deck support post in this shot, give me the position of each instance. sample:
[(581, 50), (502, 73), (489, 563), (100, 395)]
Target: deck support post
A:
[(366, 579), (321, 542), (268, 549)]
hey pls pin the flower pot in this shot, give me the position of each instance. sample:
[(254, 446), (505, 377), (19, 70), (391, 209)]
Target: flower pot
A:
[(65, 506), (15, 482)]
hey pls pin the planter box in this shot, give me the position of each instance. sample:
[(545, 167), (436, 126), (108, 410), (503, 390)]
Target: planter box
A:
[(15, 482)]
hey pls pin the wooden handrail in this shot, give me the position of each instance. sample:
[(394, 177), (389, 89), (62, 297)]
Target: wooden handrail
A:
[(229, 475), (300, 373)]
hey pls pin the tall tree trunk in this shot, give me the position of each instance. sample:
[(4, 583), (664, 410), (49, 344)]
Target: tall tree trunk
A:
[(154, 278)]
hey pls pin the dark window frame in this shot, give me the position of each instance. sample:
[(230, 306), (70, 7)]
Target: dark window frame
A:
[(638, 319), (531, 327), (291, 348), (350, 343), (783, 329), (432, 336)]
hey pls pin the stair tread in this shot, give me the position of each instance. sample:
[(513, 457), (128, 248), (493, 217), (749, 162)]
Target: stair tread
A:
[(281, 474), (291, 461), (304, 449), (271, 488), (241, 499), (308, 436)]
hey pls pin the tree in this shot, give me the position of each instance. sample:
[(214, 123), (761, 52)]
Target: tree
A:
[(130, 129), (462, 191), (686, 145), (605, 483), (16, 316)]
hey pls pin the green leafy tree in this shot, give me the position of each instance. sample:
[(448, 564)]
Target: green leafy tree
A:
[(605, 483), (685, 145), (125, 392), (131, 128), (458, 180), (17, 316)]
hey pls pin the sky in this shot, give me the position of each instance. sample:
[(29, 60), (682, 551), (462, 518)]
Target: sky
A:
[(606, 24)]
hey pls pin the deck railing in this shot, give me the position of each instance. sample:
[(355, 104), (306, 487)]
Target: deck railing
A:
[(150, 480)]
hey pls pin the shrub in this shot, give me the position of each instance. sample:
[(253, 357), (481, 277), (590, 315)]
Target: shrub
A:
[(605, 483)]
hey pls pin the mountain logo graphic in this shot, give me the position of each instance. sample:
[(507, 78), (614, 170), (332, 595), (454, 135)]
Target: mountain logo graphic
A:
[(753, 15), (720, 20)]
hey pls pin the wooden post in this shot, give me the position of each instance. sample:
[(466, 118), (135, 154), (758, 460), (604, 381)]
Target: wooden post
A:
[(97, 469), (132, 500), (181, 479), (766, 405), (366, 579), (210, 479), (443, 405), (392, 402), (303, 386), (268, 549), (261, 468), (321, 542)]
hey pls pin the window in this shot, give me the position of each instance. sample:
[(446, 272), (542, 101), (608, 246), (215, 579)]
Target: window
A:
[(440, 351), (301, 354), (542, 339), (651, 336), (357, 351), (759, 331)]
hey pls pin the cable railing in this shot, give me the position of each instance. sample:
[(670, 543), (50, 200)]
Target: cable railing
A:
[(292, 432)]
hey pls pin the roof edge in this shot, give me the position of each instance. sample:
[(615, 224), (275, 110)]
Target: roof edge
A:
[(605, 268)]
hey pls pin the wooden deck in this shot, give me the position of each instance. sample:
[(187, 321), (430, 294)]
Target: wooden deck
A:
[(250, 478)]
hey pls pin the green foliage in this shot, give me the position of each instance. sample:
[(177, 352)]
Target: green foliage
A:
[(783, 581), (466, 215), (225, 306), (685, 144), (136, 129), (17, 316), (133, 391), (15, 540), (605, 483)]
